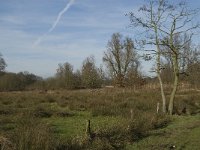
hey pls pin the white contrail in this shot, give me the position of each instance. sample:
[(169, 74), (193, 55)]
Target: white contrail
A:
[(55, 23), (60, 15)]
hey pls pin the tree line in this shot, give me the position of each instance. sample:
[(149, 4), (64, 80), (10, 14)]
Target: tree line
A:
[(122, 63), (122, 69)]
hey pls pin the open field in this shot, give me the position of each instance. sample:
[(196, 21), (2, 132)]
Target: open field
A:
[(99, 75), (119, 119)]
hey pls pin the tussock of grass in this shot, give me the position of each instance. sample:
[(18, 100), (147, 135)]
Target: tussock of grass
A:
[(5, 144)]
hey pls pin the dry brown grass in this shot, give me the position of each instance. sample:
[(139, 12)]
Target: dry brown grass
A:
[(134, 110)]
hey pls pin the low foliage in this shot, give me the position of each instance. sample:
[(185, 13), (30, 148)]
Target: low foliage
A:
[(57, 119)]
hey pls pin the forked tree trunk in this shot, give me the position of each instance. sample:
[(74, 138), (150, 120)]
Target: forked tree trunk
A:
[(158, 72)]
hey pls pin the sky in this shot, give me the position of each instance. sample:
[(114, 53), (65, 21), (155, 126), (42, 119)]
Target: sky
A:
[(37, 35)]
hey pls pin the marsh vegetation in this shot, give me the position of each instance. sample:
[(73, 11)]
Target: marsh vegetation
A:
[(58, 119)]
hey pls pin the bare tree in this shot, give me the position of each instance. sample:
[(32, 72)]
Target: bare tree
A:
[(2, 63), (193, 67), (91, 77), (65, 76), (119, 57), (163, 22)]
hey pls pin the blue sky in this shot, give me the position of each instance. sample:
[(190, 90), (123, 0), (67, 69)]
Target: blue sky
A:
[(83, 30)]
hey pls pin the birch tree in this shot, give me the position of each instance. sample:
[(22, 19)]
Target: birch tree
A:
[(163, 22)]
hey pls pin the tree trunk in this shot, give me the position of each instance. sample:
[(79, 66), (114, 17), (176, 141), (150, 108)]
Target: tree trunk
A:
[(175, 85), (158, 74), (172, 96), (162, 94)]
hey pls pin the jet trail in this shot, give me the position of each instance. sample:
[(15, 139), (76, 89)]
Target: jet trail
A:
[(55, 22), (60, 15)]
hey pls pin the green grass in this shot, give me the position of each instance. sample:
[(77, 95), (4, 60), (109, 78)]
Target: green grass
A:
[(183, 133), (76, 125)]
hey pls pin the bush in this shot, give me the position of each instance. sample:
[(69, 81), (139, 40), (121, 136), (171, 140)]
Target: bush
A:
[(42, 112), (160, 121), (111, 137)]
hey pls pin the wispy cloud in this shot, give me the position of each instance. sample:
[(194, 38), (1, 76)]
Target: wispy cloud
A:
[(43, 59), (55, 23), (84, 31)]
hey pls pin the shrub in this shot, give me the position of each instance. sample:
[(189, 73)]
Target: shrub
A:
[(160, 121), (42, 112), (110, 137), (138, 129), (64, 114)]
